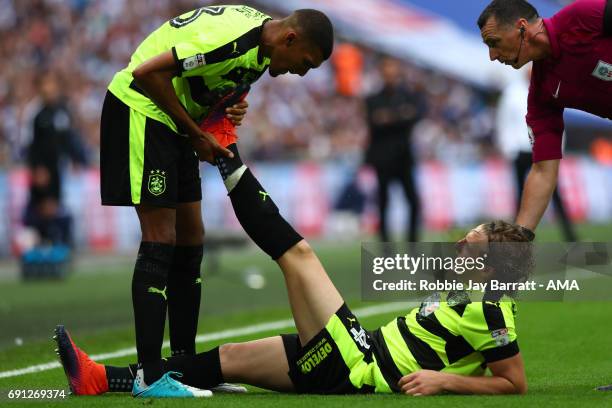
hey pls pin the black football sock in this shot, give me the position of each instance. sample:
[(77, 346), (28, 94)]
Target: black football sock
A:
[(202, 370), (120, 379), (260, 218), (254, 208), (231, 169), (149, 285), (226, 165), (184, 294)]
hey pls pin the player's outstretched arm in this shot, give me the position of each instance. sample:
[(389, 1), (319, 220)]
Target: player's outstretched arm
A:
[(312, 295), (154, 77), (508, 378), (538, 189)]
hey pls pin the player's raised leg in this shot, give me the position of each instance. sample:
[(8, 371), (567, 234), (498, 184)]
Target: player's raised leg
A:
[(312, 295)]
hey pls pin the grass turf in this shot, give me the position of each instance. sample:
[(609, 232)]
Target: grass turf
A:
[(566, 346)]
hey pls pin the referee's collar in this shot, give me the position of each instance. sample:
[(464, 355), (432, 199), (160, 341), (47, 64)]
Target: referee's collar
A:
[(552, 36)]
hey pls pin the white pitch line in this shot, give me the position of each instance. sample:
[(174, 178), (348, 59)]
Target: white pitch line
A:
[(220, 335)]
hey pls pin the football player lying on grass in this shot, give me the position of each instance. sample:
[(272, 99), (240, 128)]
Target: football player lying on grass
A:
[(443, 346)]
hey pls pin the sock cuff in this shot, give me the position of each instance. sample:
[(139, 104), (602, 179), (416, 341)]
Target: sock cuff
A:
[(232, 180), (158, 251), (227, 165), (153, 263)]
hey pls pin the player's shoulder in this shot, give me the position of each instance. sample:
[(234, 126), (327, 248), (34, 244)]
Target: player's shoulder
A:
[(228, 19), (244, 15), (580, 16), (491, 312)]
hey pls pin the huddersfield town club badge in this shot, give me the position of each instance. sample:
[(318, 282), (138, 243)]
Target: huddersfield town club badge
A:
[(157, 182)]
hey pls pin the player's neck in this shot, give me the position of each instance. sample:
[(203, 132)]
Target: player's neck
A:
[(271, 30)]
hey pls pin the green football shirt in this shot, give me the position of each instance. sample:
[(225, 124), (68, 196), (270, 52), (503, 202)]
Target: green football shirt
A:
[(455, 336), (215, 49)]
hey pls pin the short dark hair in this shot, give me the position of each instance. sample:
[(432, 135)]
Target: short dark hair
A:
[(506, 12), (317, 28)]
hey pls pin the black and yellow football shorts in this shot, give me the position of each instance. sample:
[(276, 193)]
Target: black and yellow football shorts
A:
[(338, 360), (143, 161)]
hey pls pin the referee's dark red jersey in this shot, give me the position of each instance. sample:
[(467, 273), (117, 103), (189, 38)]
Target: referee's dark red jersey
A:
[(577, 75)]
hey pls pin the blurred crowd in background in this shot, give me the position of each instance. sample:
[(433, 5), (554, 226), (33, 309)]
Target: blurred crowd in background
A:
[(84, 42), (429, 131)]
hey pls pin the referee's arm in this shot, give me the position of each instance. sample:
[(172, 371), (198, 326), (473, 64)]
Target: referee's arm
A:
[(537, 191)]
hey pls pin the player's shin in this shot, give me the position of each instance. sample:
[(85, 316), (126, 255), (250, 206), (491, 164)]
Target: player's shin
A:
[(149, 285), (202, 370), (255, 209), (184, 295)]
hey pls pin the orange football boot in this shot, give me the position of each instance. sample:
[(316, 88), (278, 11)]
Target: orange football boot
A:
[(85, 376), (217, 123)]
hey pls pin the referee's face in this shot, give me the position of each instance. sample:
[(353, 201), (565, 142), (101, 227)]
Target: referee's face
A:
[(505, 42)]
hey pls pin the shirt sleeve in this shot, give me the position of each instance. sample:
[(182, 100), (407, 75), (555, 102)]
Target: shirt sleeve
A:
[(489, 329), (544, 123), (195, 57)]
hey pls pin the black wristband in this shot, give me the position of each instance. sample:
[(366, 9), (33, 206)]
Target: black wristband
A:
[(529, 234)]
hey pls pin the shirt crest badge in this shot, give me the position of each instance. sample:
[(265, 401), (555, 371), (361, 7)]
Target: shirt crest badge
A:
[(603, 71)]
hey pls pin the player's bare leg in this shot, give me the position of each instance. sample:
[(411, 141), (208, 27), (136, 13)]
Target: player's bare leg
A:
[(312, 295), (157, 224), (262, 363), (189, 225)]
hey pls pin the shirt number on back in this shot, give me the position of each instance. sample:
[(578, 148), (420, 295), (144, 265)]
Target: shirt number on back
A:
[(179, 22)]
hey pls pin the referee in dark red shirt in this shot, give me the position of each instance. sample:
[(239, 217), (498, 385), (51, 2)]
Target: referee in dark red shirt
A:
[(572, 67)]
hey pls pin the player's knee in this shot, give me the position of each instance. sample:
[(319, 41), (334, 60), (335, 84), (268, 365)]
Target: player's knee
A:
[(191, 234), (225, 353), (164, 234), (232, 356), (301, 249)]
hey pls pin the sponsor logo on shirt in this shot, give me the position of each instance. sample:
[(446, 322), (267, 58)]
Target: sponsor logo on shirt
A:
[(430, 305), (360, 337), (603, 71), (194, 62), (501, 337)]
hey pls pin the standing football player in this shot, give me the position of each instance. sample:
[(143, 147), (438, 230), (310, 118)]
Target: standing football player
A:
[(151, 143)]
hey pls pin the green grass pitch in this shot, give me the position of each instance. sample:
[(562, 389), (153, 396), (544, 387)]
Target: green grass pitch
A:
[(567, 346)]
